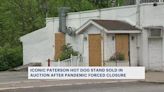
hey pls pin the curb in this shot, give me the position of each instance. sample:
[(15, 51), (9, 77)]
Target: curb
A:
[(155, 82)]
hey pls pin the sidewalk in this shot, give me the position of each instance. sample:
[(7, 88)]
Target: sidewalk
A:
[(49, 83), (14, 80), (154, 77)]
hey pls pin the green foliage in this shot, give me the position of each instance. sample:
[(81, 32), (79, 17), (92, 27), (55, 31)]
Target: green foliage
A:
[(75, 5), (67, 51), (117, 56), (121, 56), (107, 3), (10, 57), (19, 17)]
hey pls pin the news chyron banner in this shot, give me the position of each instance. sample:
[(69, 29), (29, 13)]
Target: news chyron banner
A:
[(86, 73)]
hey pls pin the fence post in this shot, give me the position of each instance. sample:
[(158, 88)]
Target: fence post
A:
[(49, 62), (78, 59), (71, 59), (58, 62)]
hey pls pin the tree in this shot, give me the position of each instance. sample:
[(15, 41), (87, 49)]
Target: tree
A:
[(107, 3), (19, 17)]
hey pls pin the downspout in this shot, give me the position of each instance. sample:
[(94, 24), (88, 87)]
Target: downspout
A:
[(138, 23), (103, 53), (137, 43)]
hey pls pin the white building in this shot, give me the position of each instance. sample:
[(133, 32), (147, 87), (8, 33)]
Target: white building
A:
[(134, 30)]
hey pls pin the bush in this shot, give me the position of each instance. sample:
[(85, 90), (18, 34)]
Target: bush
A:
[(67, 51), (117, 56), (10, 57), (121, 56)]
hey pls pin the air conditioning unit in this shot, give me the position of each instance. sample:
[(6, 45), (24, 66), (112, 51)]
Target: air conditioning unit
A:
[(155, 32)]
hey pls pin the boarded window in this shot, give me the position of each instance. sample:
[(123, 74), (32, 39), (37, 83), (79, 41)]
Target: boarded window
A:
[(122, 44), (59, 42)]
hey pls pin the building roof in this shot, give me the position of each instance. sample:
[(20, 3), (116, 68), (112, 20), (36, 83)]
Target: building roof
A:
[(110, 26), (115, 25), (35, 36)]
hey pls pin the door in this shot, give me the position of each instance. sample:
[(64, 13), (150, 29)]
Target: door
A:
[(122, 45), (155, 53), (95, 50)]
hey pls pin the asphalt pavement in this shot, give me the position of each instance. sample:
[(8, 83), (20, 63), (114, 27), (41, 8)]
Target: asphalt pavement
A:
[(8, 76), (103, 87), (18, 82)]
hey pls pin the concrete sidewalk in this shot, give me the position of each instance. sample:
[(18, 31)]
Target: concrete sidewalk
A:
[(154, 77), (50, 83), (14, 80)]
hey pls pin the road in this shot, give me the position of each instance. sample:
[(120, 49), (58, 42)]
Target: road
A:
[(111, 87), (12, 76)]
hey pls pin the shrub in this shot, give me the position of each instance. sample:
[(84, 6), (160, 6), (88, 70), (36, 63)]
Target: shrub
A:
[(121, 56), (117, 56), (67, 51), (10, 57)]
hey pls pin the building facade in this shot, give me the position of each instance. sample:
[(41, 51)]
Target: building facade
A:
[(143, 46)]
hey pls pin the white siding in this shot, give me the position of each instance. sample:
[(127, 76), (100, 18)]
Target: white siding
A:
[(150, 16), (36, 47), (144, 49), (109, 46), (133, 50)]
